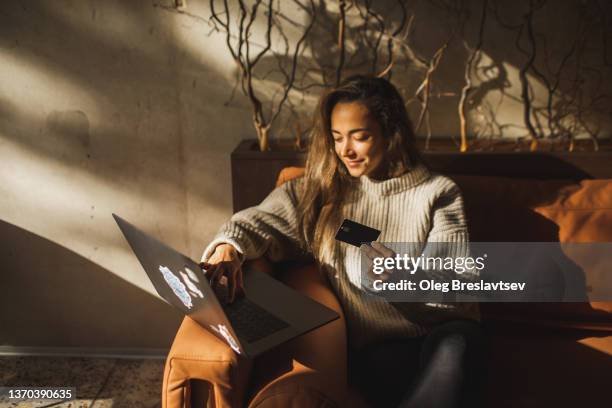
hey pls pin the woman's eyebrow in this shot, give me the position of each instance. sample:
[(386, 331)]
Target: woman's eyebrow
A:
[(352, 130)]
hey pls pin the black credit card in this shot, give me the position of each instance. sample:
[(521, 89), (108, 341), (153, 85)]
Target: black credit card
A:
[(356, 234)]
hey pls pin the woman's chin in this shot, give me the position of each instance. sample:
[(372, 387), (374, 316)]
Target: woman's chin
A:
[(356, 172)]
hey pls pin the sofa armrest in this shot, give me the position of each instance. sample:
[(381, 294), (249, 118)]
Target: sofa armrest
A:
[(198, 355), (310, 370)]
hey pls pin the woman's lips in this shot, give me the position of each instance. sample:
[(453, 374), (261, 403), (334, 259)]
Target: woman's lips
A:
[(354, 163)]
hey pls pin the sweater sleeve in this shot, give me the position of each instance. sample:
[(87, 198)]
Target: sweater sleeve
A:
[(448, 236), (269, 228), (448, 214)]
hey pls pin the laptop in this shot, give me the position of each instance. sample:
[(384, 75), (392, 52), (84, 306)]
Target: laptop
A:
[(270, 313)]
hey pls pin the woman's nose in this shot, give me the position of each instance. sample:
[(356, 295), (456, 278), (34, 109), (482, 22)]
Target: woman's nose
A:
[(347, 148)]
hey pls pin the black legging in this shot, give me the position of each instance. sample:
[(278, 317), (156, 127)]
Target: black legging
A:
[(445, 368)]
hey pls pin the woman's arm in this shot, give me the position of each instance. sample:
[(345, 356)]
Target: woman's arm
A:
[(448, 236), (269, 228)]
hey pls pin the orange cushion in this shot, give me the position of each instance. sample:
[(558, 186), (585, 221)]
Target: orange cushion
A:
[(289, 173), (504, 209), (583, 213), (580, 211)]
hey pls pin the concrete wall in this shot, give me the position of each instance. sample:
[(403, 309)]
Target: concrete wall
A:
[(105, 106)]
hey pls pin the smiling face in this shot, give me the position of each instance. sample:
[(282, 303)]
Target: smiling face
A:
[(358, 139)]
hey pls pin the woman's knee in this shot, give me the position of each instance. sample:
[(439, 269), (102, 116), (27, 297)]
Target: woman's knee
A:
[(462, 338)]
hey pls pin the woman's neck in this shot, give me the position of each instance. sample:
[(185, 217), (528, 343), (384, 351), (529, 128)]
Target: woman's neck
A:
[(380, 173)]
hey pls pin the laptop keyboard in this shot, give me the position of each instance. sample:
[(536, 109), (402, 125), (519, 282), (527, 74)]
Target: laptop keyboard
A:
[(251, 322)]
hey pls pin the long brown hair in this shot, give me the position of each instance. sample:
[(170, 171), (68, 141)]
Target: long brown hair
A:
[(326, 179)]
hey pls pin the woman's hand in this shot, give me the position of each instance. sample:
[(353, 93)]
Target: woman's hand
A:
[(377, 250), (225, 262)]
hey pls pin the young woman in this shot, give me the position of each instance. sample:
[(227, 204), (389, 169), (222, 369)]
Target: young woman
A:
[(363, 165)]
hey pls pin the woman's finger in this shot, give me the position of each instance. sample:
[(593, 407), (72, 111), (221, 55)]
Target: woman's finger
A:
[(240, 284), (231, 283), (386, 252), (370, 252), (208, 271), (216, 272), (383, 275), (224, 276)]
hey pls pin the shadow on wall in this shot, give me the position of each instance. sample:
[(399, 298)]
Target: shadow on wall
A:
[(103, 108), (72, 301), (150, 99), (495, 106)]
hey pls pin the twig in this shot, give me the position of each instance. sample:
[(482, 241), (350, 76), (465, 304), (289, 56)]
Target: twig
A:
[(423, 92), (467, 88), (341, 41), (525, 95)]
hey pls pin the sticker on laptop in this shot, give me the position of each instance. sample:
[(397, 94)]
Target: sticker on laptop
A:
[(189, 278), (222, 330), (184, 291)]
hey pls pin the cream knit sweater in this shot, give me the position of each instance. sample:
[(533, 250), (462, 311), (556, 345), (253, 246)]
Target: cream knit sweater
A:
[(418, 206)]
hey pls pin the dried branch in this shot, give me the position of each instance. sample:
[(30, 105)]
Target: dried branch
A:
[(246, 63), (404, 22), (605, 27), (294, 63), (525, 94), (467, 88), (552, 86), (423, 92), (364, 29), (381, 32), (341, 41)]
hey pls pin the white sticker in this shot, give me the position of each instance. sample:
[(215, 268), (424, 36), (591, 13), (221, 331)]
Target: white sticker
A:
[(192, 275), (193, 289), (177, 286), (222, 330)]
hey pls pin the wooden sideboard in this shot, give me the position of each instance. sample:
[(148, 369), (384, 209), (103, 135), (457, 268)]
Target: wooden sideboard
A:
[(254, 173)]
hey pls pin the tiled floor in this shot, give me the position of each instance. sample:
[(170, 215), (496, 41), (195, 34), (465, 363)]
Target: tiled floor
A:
[(99, 382)]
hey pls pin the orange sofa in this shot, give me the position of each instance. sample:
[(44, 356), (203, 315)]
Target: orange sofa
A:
[(539, 354)]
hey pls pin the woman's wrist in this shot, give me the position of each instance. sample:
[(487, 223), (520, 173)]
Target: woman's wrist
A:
[(225, 251), (225, 247)]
